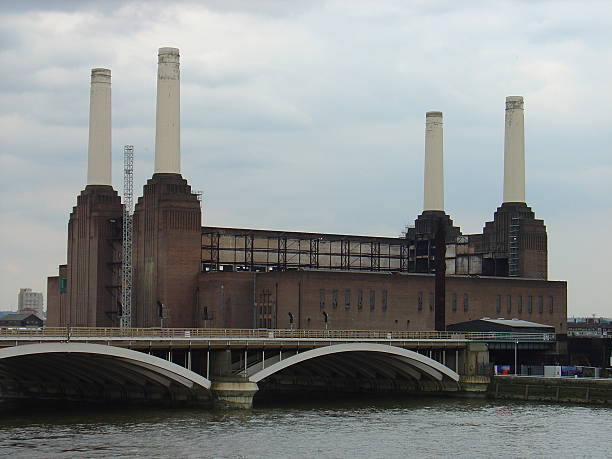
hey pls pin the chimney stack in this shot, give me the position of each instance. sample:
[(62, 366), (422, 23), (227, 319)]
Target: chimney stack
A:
[(433, 196), (514, 151), (168, 119), (99, 151)]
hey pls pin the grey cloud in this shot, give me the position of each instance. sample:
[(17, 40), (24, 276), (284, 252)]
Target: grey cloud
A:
[(309, 116)]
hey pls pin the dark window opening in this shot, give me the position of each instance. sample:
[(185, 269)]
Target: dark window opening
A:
[(551, 304), (529, 304), (540, 304)]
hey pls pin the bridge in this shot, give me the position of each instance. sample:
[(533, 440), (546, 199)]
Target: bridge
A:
[(228, 367)]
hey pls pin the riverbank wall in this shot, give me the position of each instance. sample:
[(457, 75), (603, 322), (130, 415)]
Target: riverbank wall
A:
[(564, 390)]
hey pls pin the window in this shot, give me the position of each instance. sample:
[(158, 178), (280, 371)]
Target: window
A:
[(431, 301), (63, 285), (519, 304), (498, 303), (372, 300), (466, 302), (334, 298), (529, 304), (540, 304), (454, 302), (359, 299), (551, 304), (420, 301), (322, 298), (509, 304), (347, 298), (384, 300)]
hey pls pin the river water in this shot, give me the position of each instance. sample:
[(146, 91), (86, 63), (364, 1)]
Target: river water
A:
[(364, 428)]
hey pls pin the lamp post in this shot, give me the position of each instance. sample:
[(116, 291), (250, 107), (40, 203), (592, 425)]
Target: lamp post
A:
[(515, 358)]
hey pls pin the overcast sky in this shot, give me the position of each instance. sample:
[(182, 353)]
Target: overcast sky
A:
[(310, 116)]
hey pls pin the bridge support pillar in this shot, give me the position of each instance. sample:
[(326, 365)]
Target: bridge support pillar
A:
[(234, 392), (476, 354)]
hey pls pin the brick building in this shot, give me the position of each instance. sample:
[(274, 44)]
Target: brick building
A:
[(187, 275)]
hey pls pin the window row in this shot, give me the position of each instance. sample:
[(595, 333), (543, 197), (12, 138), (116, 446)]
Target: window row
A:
[(348, 298), (516, 304), (465, 302)]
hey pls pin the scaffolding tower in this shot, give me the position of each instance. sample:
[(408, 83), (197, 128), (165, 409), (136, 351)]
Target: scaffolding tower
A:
[(513, 247), (126, 261)]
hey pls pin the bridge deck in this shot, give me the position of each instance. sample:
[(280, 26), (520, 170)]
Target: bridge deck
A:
[(256, 338)]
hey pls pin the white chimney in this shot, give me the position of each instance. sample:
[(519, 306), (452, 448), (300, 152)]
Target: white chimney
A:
[(99, 151), (168, 121), (433, 196), (514, 151)]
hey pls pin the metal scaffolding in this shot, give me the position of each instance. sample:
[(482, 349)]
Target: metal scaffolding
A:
[(513, 247), (128, 198)]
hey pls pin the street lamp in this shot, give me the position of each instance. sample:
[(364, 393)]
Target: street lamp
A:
[(515, 358)]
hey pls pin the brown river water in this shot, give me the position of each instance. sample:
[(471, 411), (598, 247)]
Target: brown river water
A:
[(356, 428)]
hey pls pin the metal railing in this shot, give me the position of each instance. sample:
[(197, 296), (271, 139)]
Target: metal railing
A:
[(219, 333)]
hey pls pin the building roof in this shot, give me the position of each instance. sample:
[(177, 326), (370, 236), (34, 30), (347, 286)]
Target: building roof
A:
[(516, 323), (19, 316)]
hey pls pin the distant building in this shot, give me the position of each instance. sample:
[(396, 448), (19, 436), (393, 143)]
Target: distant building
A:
[(21, 319), (28, 300), (590, 326)]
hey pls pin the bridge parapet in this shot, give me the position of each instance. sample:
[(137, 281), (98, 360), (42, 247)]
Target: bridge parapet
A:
[(68, 333)]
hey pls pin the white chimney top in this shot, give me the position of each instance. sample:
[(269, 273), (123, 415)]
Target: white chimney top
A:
[(99, 151), (433, 193), (168, 117), (514, 151)]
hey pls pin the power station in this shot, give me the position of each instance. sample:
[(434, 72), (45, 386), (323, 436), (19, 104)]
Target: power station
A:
[(183, 274)]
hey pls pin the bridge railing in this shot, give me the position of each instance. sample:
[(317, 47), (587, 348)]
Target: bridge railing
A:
[(215, 333)]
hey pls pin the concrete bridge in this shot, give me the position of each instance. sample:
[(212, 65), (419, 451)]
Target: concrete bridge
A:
[(229, 367)]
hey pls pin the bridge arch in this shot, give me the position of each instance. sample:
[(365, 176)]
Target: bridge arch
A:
[(368, 357), (94, 371)]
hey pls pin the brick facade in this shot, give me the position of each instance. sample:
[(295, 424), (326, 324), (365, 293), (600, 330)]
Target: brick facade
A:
[(377, 301), (166, 259), (92, 272)]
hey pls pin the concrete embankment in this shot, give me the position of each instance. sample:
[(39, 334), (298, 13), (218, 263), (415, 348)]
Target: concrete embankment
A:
[(579, 390)]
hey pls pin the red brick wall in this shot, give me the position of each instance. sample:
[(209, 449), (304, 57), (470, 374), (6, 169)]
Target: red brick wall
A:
[(93, 238), (228, 299), (53, 302), (167, 246), (299, 293)]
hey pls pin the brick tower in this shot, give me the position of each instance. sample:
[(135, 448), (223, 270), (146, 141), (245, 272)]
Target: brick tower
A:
[(94, 228), (515, 242), (167, 220)]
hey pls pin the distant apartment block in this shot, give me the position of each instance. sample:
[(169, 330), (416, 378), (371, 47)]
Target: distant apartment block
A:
[(30, 301)]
